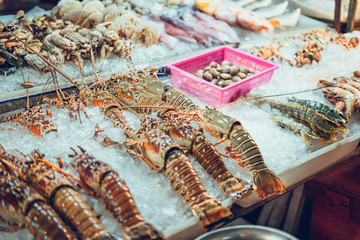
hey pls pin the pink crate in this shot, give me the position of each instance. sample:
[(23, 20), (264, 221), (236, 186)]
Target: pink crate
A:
[(183, 78)]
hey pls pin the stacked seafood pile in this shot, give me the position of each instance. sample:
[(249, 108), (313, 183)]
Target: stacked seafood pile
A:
[(57, 40), (119, 18), (113, 29), (314, 43), (224, 74), (343, 92), (64, 35)]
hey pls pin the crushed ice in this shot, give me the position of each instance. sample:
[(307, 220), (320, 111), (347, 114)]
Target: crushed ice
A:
[(156, 200)]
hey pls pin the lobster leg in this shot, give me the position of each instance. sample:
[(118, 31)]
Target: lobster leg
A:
[(9, 229)]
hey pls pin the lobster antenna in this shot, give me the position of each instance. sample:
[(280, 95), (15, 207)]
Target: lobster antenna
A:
[(74, 151), (82, 150), (80, 66), (273, 95), (42, 91), (128, 56), (26, 85), (11, 166), (59, 93)]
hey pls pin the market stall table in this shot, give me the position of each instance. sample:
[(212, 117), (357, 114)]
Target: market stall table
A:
[(287, 154)]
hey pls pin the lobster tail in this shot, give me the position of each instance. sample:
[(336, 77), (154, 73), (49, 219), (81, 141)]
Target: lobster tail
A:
[(106, 183), (247, 153), (211, 213), (71, 206), (22, 206), (210, 159), (267, 183), (185, 180), (120, 203), (143, 230), (39, 225), (235, 187)]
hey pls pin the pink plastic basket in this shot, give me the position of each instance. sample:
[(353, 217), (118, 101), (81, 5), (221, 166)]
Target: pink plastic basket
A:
[(183, 78)]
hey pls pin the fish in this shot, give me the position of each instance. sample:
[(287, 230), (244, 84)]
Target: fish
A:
[(258, 4), (289, 19), (223, 10), (221, 27), (226, 13), (206, 6), (164, 37), (202, 26), (179, 23), (273, 11), (252, 21), (234, 13), (178, 33)]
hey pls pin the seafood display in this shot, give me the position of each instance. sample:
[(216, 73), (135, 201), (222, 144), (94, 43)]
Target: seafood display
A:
[(242, 147), (23, 206), (116, 17), (244, 150), (193, 25), (187, 137), (343, 92), (195, 142), (60, 192), (160, 152), (158, 158), (114, 29), (106, 183), (224, 74), (35, 119), (264, 17), (115, 26), (60, 41), (320, 121), (314, 43)]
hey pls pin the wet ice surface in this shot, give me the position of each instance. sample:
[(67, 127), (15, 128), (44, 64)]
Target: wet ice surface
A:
[(156, 200)]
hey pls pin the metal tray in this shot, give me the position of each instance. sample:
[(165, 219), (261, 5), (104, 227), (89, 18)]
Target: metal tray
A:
[(246, 232)]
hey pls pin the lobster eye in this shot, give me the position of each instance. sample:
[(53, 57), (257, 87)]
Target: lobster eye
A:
[(167, 88)]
